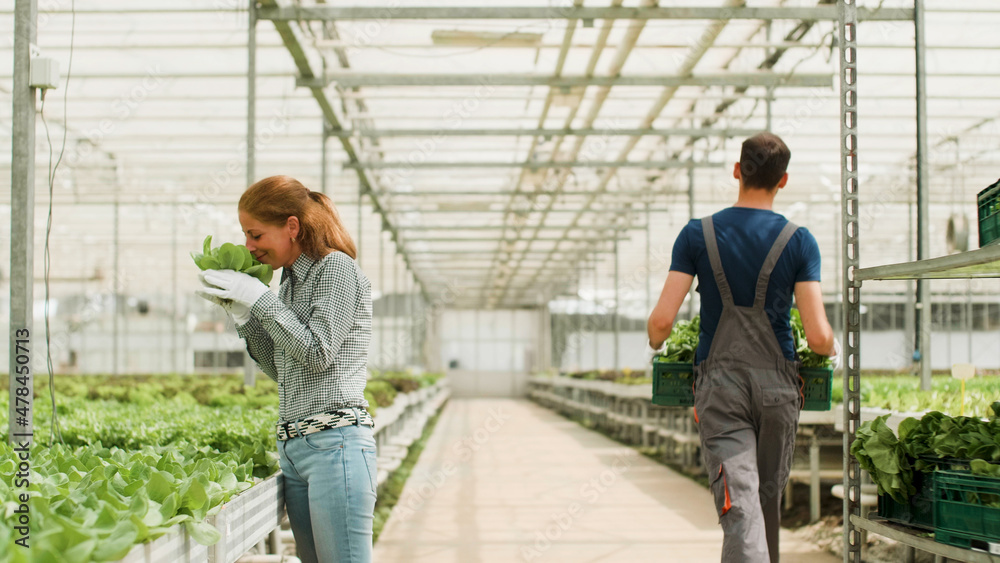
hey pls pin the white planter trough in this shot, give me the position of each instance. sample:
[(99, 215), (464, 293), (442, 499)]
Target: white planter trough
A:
[(244, 521)]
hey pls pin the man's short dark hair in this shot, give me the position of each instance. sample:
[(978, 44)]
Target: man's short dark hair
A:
[(763, 161)]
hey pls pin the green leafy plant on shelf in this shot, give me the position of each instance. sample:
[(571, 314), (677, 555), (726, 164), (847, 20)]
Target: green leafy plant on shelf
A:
[(924, 444), (232, 257)]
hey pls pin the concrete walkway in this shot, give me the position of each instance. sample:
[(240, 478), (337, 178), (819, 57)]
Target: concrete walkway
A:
[(505, 480)]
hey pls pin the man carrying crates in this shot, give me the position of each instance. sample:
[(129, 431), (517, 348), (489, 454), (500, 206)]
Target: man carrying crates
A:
[(749, 261)]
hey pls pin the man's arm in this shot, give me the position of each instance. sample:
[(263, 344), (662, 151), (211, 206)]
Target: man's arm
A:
[(819, 335), (661, 320)]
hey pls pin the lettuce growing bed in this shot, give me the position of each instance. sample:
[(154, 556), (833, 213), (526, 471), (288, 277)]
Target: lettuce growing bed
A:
[(152, 468)]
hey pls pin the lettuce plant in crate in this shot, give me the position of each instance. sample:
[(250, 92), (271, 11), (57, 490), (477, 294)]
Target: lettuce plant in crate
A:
[(815, 370), (673, 370)]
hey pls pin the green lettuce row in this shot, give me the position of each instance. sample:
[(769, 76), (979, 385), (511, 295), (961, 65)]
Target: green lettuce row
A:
[(93, 503), (140, 460), (902, 393), (232, 257), (248, 433)]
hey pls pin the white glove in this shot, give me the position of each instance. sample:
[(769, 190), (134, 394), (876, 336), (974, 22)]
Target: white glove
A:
[(236, 287), (837, 358), (651, 353), (238, 312)]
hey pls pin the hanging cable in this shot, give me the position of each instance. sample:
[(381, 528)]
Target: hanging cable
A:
[(55, 433)]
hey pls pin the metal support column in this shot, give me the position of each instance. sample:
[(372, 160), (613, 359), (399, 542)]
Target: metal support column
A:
[(251, 90), (596, 344), (649, 250), (411, 306), (617, 296), (174, 313), (322, 157), (384, 293), (249, 367), (852, 288), (691, 311), (814, 482), (394, 303), (923, 324), (357, 239), (115, 290), (579, 316), (769, 51), (22, 227)]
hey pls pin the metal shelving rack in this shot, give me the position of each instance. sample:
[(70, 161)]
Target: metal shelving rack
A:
[(981, 263)]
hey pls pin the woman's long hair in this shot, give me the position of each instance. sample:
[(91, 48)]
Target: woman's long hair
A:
[(273, 200)]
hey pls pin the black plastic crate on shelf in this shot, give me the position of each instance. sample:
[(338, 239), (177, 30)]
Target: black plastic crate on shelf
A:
[(967, 510), (817, 388), (672, 383), (988, 203)]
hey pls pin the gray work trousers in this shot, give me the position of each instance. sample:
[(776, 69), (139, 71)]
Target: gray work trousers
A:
[(747, 425)]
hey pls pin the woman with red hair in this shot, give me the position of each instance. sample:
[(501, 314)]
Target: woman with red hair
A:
[(312, 338)]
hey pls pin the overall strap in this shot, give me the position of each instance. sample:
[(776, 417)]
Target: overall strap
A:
[(771, 261), (712, 246)]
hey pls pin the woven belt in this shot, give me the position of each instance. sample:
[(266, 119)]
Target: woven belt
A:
[(325, 421)]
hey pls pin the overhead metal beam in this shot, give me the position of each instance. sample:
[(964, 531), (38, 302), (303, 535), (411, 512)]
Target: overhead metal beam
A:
[(509, 132), (628, 42), (314, 13), (304, 65), (358, 80), (534, 164)]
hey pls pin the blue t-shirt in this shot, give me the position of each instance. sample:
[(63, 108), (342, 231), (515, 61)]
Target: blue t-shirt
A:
[(745, 236)]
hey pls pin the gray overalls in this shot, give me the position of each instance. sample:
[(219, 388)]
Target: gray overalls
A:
[(747, 407)]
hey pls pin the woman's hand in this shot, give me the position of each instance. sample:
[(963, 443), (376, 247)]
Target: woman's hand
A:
[(234, 291)]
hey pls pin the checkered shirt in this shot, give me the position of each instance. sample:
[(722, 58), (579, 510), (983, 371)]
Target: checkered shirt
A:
[(313, 336)]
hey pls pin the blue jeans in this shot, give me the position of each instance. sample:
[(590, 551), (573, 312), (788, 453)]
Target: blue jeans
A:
[(330, 487)]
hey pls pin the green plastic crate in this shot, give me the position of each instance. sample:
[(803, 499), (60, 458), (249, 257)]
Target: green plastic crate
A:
[(988, 203), (967, 510), (817, 388), (672, 383), (919, 511)]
